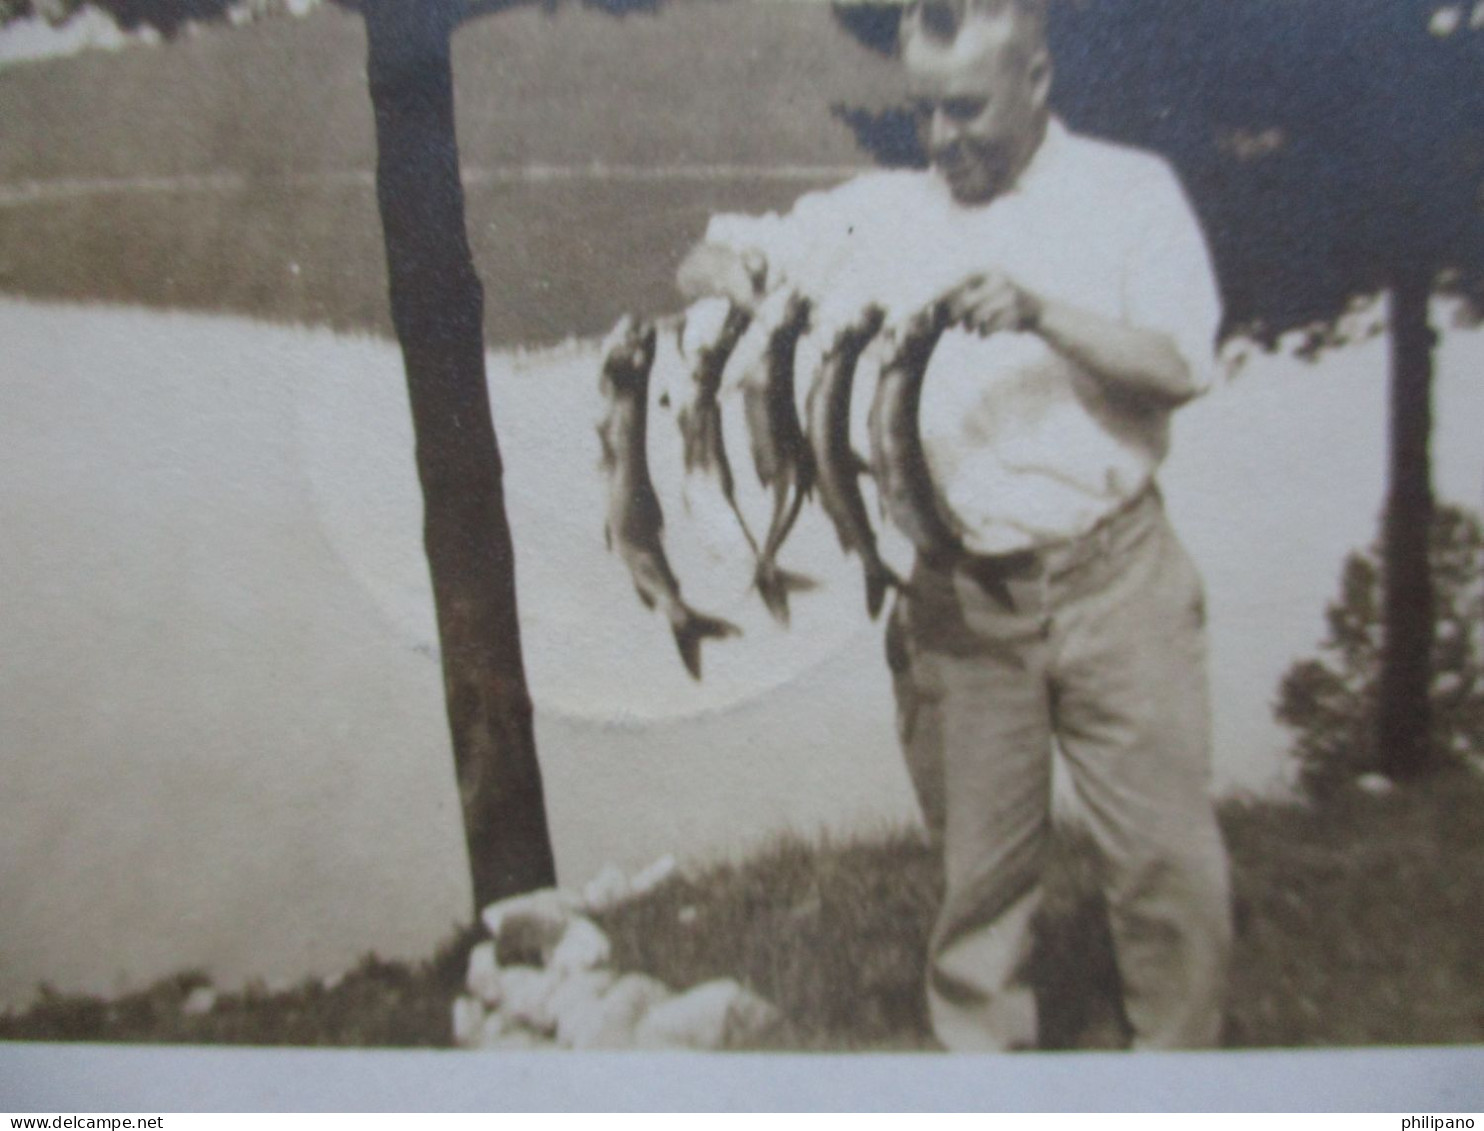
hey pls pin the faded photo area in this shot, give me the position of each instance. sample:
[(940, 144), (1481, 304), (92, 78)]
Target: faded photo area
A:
[(769, 525)]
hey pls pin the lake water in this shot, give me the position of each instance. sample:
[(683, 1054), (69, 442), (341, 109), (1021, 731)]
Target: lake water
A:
[(220, 709)]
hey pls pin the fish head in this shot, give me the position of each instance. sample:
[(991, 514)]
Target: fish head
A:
[(797, 311), (852, 337), (868, 324), (701, 325), (628, 354), (930, 321)]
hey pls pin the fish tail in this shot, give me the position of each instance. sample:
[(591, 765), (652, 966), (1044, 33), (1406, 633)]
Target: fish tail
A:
[(694, 627), (774, 585)]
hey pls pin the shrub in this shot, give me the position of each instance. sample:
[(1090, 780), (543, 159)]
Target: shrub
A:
[(1330, 701)]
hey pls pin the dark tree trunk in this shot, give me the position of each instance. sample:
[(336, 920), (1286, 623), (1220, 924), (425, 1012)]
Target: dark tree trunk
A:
[(438, 310), (1404, 714)]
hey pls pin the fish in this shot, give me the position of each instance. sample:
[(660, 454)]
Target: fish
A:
[(699, 414), (780, 452), (836, 465), (897, 457), (635, 523)]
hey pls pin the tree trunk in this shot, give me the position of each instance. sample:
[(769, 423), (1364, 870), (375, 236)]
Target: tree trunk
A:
[(438, 310), (1404, 713)]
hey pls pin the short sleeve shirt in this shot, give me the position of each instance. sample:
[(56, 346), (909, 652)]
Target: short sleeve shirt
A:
[(1024, 447)]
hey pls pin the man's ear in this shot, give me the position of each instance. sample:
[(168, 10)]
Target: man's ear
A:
[(1038, 75)]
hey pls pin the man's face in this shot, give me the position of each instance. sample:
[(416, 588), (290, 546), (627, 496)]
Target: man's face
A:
[(982, 100)]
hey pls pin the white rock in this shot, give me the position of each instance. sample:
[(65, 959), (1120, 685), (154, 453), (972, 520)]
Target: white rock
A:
[(468, 1020), (527, 928), (513, 1039), (571, 1001), (608, 888), (583, 947), (578, 988), (483, 979), (548, 902), (687, 916), (715, 1015), (199, 1001), (1377, 785), (647, 879), (611, 1020), (526, 994), (501, 1032)]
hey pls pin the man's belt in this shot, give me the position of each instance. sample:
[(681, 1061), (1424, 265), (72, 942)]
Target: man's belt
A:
[(1057, 559)]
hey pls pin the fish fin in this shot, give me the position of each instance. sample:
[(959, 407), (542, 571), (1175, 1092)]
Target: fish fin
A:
[(647, 598), (879, 578), (774, 585), (692, 630)]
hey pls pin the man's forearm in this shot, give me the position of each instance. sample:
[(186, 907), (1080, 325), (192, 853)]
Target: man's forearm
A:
[(1128, 359)]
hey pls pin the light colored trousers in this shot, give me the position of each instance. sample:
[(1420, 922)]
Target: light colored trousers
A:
[(1099, 644)]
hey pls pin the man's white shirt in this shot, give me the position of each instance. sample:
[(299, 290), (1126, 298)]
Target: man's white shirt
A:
[(1024, 447)]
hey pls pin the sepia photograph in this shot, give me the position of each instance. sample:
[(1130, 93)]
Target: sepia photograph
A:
[(917, 527)]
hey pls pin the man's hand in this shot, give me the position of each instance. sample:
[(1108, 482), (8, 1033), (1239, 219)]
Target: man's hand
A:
[(992, 303), (715, 271)]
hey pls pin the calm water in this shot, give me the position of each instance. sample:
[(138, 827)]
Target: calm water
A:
[(220, 712)]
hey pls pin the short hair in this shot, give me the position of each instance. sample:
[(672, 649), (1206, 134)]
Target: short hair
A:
[(942, 20)]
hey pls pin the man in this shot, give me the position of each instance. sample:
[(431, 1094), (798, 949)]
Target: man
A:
[(1088, 310)]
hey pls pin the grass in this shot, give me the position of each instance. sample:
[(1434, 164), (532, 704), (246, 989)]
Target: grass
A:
[(1358, 923)]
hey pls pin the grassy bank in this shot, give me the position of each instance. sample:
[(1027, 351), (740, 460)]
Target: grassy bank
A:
[(1357, 924)]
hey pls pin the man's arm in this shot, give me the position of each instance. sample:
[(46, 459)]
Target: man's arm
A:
[(1159, 346), (1145, 363), (1129, 359)]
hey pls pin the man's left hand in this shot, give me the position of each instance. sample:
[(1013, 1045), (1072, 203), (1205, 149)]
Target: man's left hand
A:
[(993, 302)]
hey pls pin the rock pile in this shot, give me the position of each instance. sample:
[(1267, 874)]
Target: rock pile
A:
[(542, 980)]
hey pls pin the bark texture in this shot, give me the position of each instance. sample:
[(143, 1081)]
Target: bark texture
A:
[(437, 308), (1404, 715)]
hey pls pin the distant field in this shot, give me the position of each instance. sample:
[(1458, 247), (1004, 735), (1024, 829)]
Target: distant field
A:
[(256, 149)]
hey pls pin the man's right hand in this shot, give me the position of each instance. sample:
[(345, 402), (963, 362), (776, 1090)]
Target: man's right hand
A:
[(717, 271)]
